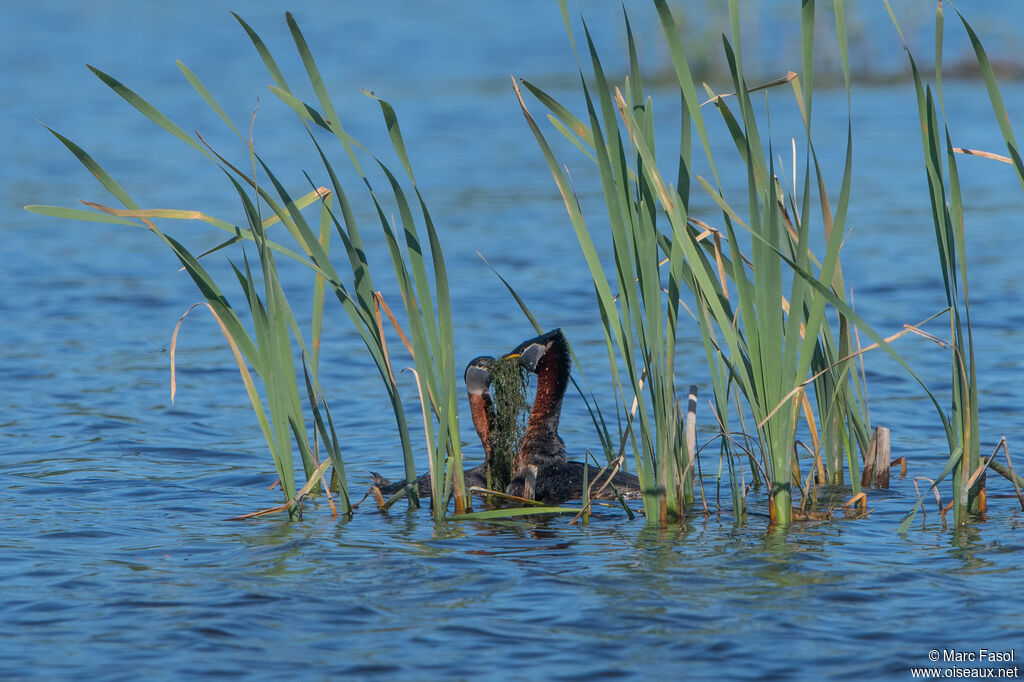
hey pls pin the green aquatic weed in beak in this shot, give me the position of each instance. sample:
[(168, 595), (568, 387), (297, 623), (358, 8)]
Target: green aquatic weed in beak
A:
[(511, 413)]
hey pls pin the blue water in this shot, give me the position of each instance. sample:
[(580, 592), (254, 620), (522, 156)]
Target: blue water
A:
[(116, 561)]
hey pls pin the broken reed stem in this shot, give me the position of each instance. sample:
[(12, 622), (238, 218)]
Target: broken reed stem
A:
[(877, 460)]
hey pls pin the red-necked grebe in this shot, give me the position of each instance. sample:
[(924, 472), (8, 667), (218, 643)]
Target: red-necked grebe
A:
[(542, 471)]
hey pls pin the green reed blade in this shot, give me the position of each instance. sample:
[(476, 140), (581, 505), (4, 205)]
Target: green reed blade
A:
[(426, 377), (320, 286), (350, 237), (561, 127), (734, 128), (806, 53), (841, 38), (265, 323), (519, 301), (304, 111), (148, 110), (414, 249), (391, 121), (203, 92), (634, 74), (333, 122), (97, 171), (685, 78), (969, 405), (268, 59), (751, 137), (567, 118), (444, 320), (939, 24), (417, 331)]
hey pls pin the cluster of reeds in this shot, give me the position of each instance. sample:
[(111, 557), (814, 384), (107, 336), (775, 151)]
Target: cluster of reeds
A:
[(961, 426), (740, 303), (278, 345), (780, 335), (778, 326)]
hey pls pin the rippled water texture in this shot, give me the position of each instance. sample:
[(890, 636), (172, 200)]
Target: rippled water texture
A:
[(115, 558)]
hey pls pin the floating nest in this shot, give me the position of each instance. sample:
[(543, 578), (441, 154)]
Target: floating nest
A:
[(508, 424)]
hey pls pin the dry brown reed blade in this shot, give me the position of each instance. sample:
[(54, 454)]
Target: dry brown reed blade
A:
[(984, 155), (330, 498), (365, 495), (859, 504), (379, 303), (812, 426), (944, 511), (174, 347)]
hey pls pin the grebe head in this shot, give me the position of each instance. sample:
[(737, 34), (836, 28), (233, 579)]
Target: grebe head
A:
[(478, 375), (531, 351)]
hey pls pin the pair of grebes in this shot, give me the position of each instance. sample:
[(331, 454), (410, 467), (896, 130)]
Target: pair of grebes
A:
[(540, 471)]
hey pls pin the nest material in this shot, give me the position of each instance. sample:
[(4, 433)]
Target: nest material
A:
[(511, 414)]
